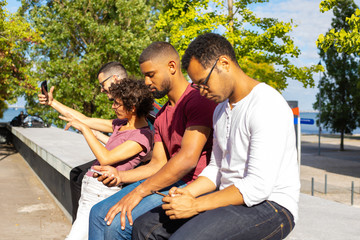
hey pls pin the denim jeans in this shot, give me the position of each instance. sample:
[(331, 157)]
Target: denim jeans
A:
[(98, 229), (266, 220)]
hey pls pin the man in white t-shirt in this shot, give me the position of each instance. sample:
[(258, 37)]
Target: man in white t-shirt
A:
[(250, 189)]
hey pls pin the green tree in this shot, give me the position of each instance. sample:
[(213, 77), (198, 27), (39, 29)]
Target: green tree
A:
[(15, 36), (344, 40), (263, 45), (80, 36), (339, 98)]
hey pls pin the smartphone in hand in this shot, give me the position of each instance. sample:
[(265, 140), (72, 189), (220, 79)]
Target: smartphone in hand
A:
[(44, 90), (95, 171), (159, 193)]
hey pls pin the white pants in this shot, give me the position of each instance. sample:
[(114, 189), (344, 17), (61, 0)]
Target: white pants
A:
[(92, 192)]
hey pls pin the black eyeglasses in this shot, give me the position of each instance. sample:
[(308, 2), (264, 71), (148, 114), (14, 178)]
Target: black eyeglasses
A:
[(117, 104), (204, 85), (102, 83)]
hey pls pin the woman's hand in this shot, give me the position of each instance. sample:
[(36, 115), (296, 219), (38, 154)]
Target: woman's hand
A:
[(72, 122), (111, 176)]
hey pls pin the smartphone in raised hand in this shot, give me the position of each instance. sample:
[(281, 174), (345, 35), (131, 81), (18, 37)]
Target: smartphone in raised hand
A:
[(44, 90)]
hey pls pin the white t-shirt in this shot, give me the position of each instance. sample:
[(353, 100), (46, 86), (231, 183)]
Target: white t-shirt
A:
[(254, 149)]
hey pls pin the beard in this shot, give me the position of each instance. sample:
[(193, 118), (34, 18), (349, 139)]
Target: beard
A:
[(160, 94), (166, 88)]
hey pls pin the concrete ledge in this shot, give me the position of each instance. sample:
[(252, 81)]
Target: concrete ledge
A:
[(52, 153), (63, 150)]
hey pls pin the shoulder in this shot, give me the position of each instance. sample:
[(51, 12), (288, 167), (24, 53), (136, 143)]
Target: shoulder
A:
[(146, 131), (193, 99), (268, 103), (144, 136), (264, 96)]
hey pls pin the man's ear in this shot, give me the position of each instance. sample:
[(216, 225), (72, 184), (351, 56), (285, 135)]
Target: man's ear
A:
[(224, 62), (117, 79), (172, 67)]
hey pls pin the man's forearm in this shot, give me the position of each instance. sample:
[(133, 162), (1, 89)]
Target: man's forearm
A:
[(67, 111), (181, 163), (141, 172), (173, 171), (228, 196), (201, 186), (103, 125)]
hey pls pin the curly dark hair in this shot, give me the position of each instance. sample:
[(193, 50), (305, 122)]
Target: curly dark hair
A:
[(206, 49), (133, 93)]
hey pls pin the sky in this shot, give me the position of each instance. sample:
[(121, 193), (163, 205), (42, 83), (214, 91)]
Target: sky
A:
[(311, 22), (12, 6)]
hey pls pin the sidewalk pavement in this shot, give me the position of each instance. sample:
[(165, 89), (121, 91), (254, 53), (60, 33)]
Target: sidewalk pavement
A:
[(30, 212), (340, 167), (329, 216)]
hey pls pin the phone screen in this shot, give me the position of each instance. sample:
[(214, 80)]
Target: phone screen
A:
[(95, 171), (44, 89)]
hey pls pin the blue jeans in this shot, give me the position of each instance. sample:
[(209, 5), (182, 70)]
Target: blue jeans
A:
[(266, 220), (97, 226)]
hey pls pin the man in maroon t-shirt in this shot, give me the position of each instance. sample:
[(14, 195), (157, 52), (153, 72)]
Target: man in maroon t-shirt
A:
[(183, 137)]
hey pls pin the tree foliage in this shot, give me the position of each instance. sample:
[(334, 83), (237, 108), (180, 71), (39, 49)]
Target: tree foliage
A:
[(339, 98), (79, 37), (263, 45), (343, 40), (15, 36)]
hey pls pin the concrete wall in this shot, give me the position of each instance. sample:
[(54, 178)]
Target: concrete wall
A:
[(51, 153)]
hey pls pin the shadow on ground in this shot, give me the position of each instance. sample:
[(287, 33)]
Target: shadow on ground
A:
[(331, 159), (6, 150)]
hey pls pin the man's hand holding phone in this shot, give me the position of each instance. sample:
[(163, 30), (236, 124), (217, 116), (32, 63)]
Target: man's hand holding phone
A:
[(46, 98), (180, 204)]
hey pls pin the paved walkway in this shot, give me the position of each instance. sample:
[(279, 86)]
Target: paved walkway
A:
[(340, 167), (329, 216), (28, 211)]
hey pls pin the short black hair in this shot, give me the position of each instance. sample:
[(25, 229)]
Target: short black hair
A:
[(113, 68), (206, 49), (133, 93), (157, 49)]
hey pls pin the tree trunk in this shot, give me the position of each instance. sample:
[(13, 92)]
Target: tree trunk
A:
[(230, 9), (342, 141)]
